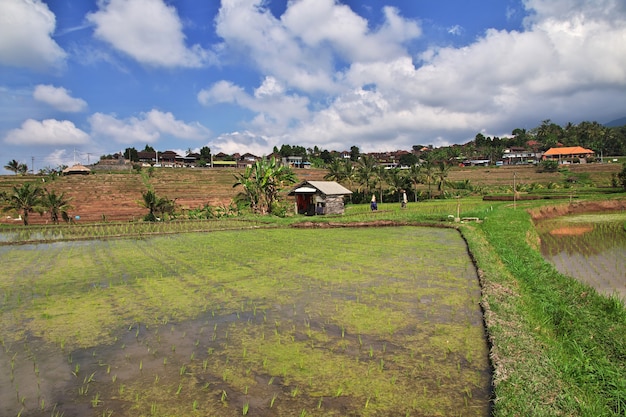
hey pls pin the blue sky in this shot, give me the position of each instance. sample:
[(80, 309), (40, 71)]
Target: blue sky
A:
[(83, 79)]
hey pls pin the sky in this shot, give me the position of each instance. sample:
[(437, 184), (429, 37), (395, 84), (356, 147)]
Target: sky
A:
[(81, 79)]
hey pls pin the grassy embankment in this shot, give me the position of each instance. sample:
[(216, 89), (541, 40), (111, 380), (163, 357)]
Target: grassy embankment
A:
[(557, 346)]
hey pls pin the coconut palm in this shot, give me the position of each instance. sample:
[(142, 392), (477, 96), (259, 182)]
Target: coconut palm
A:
[(440, 176), (428, 170), (336, 171), (366, 172), (415, 177), (396, 181), (56, 204), (24, 200), (158, 206), (16, 167)]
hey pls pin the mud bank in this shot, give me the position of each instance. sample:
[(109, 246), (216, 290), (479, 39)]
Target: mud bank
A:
[(575, 208)]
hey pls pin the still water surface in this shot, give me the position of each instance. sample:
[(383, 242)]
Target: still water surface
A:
[(588, 247)]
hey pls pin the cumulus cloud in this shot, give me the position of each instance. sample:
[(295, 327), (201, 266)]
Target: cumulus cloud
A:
[(59, 98), (302, 48), (254, 143), (26, 29), (147, 128), (47, 132), (568, 64), (274, 105), (149, 31)]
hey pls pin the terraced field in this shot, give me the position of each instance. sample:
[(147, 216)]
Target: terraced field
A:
[(117, 196)]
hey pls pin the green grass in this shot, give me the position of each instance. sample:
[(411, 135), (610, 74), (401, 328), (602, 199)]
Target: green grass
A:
[(558, 346)]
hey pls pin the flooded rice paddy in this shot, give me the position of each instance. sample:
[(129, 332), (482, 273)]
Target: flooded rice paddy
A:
[(588, 247), (339, 322)]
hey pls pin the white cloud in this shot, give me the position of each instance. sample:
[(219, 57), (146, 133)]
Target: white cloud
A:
[(47, 132), (59, 98), (26, 27), (455, 30), (254, 143), (147, 128), (149, 31), (302, 48), (568, 64), (275, 107)]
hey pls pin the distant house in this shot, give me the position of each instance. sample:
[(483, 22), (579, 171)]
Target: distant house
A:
[(567, 155), (168, 158), (247, 160), (518, 155), (223, 160), (320, 197)]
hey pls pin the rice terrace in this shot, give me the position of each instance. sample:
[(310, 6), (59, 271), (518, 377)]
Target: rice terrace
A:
[(397, 312)]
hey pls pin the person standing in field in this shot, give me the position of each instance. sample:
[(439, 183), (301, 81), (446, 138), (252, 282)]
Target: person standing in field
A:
[(373, 204), (404, 199)]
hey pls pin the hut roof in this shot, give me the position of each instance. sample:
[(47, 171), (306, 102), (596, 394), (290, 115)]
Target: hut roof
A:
[(573, 150), (76, 169), (325, 187)]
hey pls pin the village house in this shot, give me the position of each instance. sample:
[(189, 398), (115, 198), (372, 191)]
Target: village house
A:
[(520, 155), (569, 155), (320, 197)]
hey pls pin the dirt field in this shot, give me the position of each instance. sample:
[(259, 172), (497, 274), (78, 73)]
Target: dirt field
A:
[(118, 196)]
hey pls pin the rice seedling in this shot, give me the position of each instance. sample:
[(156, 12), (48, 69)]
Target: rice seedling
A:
[(240, 352)]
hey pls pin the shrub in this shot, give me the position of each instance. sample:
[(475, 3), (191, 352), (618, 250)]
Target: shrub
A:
[(548, 166)]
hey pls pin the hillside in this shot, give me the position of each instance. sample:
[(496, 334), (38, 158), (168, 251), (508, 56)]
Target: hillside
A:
[(117, 196)]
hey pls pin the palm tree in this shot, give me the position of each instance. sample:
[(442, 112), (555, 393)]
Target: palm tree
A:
[(336, 171), (365, 172), (380, 178), (56, 205), (429, 175), (397, 181), (415, 177), (16, 167), (25, 200), (158, 206), (441, 175)]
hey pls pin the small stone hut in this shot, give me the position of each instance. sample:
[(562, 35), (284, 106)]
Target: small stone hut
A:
[(320, 197)]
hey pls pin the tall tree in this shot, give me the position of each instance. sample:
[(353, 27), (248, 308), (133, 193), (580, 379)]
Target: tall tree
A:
[(428, 170), (354, 153), (365, 171), (24, 200), (396, 181), (131, 154), (205, 153), (336, 171), (415, 177), (57, 205), (441, 175)]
